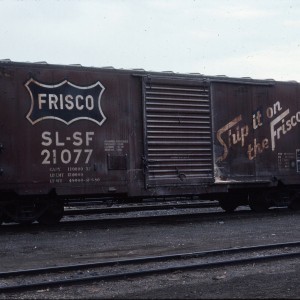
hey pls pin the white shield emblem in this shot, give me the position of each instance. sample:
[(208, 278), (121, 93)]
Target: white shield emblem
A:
[(65, 102)]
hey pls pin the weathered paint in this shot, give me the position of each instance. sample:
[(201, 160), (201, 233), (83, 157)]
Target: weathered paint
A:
[(89, 131)]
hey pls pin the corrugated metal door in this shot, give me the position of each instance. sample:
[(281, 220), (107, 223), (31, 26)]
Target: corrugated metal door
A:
[(177, 132)]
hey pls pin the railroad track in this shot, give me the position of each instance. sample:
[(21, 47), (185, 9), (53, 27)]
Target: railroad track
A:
[(32, 279), (97, 210), (69, 211), (132, 217), (150, 214)]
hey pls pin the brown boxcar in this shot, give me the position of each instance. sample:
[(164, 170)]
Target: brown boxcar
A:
[(75, 132)]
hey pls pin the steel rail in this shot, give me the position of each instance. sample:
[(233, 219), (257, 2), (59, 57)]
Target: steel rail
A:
[(145, 207), (140, 260)]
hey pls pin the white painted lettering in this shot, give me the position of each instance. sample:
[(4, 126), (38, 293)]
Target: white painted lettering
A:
[(47, 141), (41, 100), (60, 102)]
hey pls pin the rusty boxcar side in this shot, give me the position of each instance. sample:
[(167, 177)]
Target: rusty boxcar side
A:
[(256, 138), (71, 131)]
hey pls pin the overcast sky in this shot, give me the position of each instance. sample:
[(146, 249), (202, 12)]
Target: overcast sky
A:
[(240, 38)]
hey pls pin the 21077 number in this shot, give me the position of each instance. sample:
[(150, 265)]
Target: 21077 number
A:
[(65, 156)]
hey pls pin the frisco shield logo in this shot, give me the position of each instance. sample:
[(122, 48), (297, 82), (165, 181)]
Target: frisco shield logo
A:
[(65, 102)]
